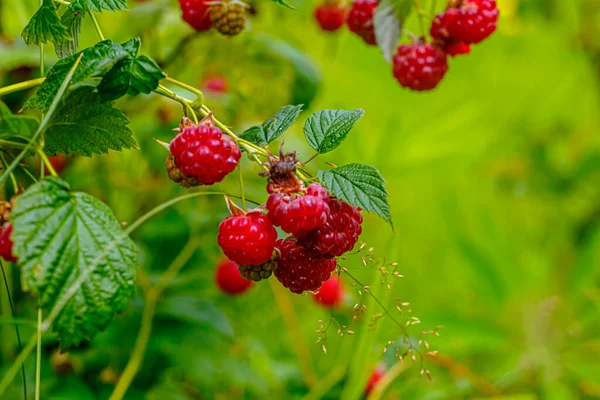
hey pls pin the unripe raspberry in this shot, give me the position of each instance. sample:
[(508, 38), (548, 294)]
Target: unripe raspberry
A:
[(360, 20), (331, 293), (229, 18), (330, 15), (420, 66), (258, 272), (466, 21), (247, 239), (6, 244), (196, 14), (301, 269), (229, 279)]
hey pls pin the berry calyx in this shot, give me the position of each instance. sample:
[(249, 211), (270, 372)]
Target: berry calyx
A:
[(466, 21), (331, 293), (420, 66), (247, 239), (339, 234), (360, 20), (196, 14), (301, 269), (202, 153), (282, 173), (258, 272), (330, 15), (229, 279), (229, 18), (6, 244), (374, 379)]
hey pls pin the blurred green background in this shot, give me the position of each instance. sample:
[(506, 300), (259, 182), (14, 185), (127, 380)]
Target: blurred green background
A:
[(495, 191)]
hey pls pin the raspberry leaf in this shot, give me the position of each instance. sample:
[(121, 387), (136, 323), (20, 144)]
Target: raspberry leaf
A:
[(325, 130), (45, 26), (71, 19), (85, 125), (360, 185), (273, 127), (16, 126), (99, 5), (388, 20), (59, 235)]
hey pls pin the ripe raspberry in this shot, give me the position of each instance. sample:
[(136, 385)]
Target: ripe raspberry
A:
[(247, 239), (258, 272), (204, 153), (299, 214), (331, 293), (339, 234), (229, 279), (59, 162), (215, 84), (374, 379), (330, 15), (196, 14), (456, 49), (466, 21), (229, 18), (300, 268), (360, 20), (6, 244), (420, 66)]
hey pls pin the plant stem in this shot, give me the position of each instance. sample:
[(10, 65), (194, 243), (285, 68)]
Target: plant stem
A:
[(10, 143), (47, 162), (241, 177), (185, 86), (96, 25), (420, 14), (311, 158), (387, 379), (63, 2), (12, 176), (38, 362), (21, 86)]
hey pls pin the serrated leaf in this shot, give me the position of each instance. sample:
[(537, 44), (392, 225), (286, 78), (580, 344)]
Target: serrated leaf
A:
[(57, 235), (99, 5), (388, 21), (284, 3), (360, 185), (325, 130), (71, 19), (45, 26), (84, 125), (131, 76), (95, 63), (274, 126), (16, 126)]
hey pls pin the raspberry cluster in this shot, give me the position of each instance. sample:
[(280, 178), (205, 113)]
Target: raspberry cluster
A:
[(228, 18)]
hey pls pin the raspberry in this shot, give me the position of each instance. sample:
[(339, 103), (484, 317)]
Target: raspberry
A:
[(374, 379), (339, 234), (248, 238), (300, 268), (331, 293), (258, 272), (216, 84), (420, 66), (469, 22), (196, 14), (59, 162), (204, 153), (456, 49), (6, 244), (229, 18), (330, 15), (229, 279), (360, 20), (300, 214)]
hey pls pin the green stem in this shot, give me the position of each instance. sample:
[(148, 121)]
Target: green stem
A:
[(421, 15), (96, 25), (38, 362), (12, 176), (185, 86), (63, 2), (241, 177), (46, 162), (21, 86), (10, 143)]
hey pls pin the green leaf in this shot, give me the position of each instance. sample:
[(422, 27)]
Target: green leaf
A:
[(84, 125), (57, 235), (71, 19), (99, 5), (325, 130), (16, 126), (95, 63), (195, 311), (360, 185), (45, 26), (388, 21), (284, 3), (273, 127), (131, 76)]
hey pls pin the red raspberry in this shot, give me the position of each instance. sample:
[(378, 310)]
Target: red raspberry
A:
[(59, 162), (457, 49), (229, 279), (420, 66), (216, 84), (204, 153), (470, 22), (300, 214), (6, 244), (374, 379), (330, 15), (339, 234), (331, 293), (300, 268), (360, 20), (196, 14), (247, 239)]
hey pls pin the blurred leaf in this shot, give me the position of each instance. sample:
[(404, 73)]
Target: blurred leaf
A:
[(325, 130), (71, 19), (273, 127), (69, 388), (195, 311), (284, 3), (360, 185), (16, 126), (388, 20), (84, 125), (99, 5), (57, 235), (45, 26)]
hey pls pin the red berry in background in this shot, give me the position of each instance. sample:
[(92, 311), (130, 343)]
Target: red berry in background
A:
[(466, 21), (331, 293), (299, 214), (59, 162), (330, 15), (229, 279), (6, 244), (196, 14), (215, 84), (339, 234), (300, 269), (374, 379), (420, 66), (204, 153), (248, 238), (360, 20)]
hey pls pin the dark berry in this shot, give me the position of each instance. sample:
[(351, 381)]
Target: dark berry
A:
[(331, 293), (6, 244), (229, 279), (330, 15), (247, 239), (299, 268), (420, 66), (467, 21), (196, 14), (258, 272), (229, 18), (360, 20), (339, 234), (374, 379)]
